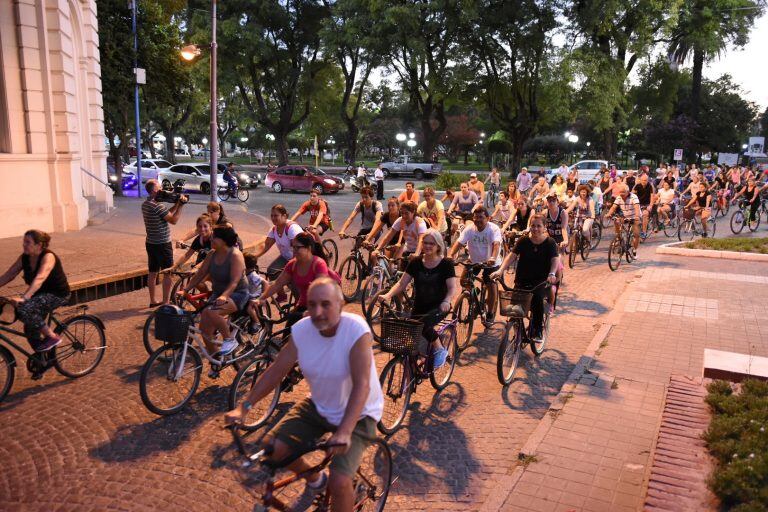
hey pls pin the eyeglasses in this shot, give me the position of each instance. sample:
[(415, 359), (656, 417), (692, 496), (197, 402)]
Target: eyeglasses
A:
[(427, 243)]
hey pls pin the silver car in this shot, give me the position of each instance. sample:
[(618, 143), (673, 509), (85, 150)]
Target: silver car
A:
[(150, 167), (196, 177)]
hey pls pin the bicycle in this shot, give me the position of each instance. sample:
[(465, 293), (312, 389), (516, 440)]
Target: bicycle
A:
[(492, 197), (692, 225), (515, 304), (267, 348), (472, 303), (722, 203), (742, 216), (79, 353), (670, 225), (371, 483), (178, 365), (384, 275), (578, 243), (227, 191), (354, 269), (621, 245), (408, 367)]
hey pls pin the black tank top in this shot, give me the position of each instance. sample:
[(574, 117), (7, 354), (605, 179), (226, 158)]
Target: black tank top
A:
[(555, 226), (56, 282)]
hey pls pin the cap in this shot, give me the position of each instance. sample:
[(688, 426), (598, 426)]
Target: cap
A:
[(473, 175)]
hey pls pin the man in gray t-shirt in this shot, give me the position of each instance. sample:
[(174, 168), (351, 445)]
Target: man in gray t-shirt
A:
[(369, 211), (158, 242)]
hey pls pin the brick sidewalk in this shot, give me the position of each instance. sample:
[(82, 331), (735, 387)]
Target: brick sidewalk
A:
[(596, 455)]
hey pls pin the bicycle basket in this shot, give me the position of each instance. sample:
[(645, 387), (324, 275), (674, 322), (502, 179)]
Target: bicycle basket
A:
[(7, 313), (400, 336), (688, 213), (515, 303), (171, 324)]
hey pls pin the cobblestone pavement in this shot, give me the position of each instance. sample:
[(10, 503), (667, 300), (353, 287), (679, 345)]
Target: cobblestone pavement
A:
[(596, 455), (90, 444)]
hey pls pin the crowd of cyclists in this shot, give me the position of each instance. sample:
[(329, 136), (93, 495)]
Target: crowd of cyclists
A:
[(525, 225)]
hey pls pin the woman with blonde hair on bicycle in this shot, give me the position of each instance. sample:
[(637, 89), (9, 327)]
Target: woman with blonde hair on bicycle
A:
[(47, 288), (435, 284)]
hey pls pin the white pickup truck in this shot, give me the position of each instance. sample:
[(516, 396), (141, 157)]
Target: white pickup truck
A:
[(404, 166)]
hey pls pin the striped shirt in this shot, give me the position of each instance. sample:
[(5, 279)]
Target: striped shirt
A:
[(158, 231)]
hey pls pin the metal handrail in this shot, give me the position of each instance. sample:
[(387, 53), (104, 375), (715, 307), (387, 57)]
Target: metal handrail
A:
[(96, 178)]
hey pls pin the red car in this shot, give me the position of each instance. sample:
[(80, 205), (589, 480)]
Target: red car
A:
[(303, 178)]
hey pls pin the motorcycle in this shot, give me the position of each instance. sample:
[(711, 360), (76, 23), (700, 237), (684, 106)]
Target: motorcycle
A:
[(354, 183)]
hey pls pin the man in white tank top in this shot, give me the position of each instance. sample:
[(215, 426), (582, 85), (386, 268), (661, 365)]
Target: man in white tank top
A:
[(333, 349)]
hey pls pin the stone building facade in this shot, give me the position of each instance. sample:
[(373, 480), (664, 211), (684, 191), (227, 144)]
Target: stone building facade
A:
[(52, 152)]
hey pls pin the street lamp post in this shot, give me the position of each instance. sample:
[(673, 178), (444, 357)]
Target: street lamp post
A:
[(136, 93), (573, 139), (189, 53), (401, 137), (331, 142)]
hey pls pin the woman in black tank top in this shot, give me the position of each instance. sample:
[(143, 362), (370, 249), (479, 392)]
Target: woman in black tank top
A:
[(47, 288)]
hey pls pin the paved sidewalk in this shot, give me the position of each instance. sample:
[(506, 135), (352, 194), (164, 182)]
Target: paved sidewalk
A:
[(597, 453), (117, 245)]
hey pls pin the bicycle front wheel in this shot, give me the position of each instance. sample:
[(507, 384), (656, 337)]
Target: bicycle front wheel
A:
[(373, 313), (572, 250), (439, 377), (585, 248), (243, 194), (670, 227), (396, 386), (7, 372), (82, 346), (737, 221), (597, 234), (686, 230), (169, 380), (351, 272), (509, 354), (615, 253), (373, 478), (332, 251), (261, 411), (538, 344), (466, 321), (711, 227)]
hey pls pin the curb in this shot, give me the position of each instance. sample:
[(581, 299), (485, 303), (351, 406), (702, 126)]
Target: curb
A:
[(675, 250)]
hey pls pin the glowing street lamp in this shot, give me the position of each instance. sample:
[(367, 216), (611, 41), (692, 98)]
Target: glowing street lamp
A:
[(411, 135), (190, 52)]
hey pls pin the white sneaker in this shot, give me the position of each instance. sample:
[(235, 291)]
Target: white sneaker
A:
[(227, 347)]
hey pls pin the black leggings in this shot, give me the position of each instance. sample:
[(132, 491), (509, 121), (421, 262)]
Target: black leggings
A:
[(33, 312), (430, 319), (537, 306)]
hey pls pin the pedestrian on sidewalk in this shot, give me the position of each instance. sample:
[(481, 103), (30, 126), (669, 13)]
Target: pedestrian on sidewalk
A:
[(378, 175), (158, 243)]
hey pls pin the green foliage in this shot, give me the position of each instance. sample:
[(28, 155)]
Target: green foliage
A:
[(450, 180), (738, 438)]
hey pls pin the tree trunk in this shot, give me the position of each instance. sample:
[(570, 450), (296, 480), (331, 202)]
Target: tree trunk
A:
[(466, 156), (170, 145), (698, 65), (223, 145), (281, 148), (352, 134)]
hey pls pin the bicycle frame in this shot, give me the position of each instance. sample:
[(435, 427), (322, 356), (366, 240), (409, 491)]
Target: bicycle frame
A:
[(196, 335)]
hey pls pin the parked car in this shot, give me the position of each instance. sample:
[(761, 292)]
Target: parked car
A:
[(245, 178), (196, 177), (149, 168), (129, 179), (303, 178), (405, 166)]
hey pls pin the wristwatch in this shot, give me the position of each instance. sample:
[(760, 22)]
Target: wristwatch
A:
[(553, 274)]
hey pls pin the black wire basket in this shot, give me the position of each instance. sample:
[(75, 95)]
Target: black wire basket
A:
[(515, 303), (171, 326), (400, 336)]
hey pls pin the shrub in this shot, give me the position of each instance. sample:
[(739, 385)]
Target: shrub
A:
[(738, 438), (449, 179)]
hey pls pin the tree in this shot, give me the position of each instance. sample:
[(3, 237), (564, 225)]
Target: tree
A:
[(459, 137), (422, 42), (511, 42), (704, 29), (274, 58), (348, 38)]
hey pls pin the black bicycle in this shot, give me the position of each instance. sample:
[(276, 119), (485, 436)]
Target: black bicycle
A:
[(79, 353), (621, 245), (515, 304), (227, 191), (353, 270), (578, 242), (472, 303)]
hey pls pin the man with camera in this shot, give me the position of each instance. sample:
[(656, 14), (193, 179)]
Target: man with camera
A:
[(158, 243)]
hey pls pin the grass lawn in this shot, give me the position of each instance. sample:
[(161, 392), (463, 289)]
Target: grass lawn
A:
[(757, 245)]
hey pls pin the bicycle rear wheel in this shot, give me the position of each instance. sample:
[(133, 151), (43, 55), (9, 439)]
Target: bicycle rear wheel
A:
[(167, 382), (223, 193), (439, 377), (753, 223), (260, 412), (351, 273), (373, 478), (396, 385), (615, 253), (82, 346), (711, 227), (374, 285), (466, 320), (509, 354), (332, 251)]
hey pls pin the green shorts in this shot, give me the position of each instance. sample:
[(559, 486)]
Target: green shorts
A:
[(303, 424)]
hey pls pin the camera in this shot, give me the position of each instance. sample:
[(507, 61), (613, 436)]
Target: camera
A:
[(166, 196)]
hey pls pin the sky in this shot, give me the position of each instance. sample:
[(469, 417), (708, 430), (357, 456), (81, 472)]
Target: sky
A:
[(747, 66)]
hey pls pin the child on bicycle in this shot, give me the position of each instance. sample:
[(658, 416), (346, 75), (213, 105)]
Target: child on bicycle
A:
[(256, 285)]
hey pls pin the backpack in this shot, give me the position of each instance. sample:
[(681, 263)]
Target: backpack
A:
[(328, 212)]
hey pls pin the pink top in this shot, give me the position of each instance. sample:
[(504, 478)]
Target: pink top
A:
[(302, 282)]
